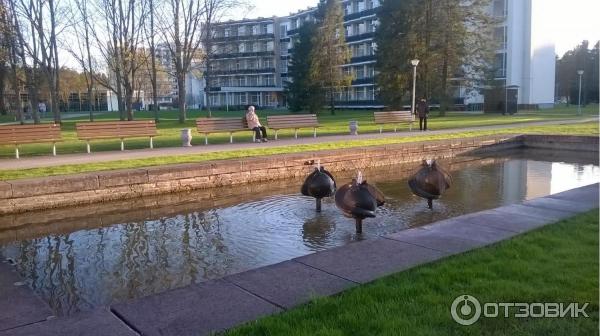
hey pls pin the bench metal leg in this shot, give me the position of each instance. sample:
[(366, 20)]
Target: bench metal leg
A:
[(54, 149), (395, 129), (380, 129), (205, 139), (17, 152), (87, 144), (122, 145), (315, 133), (151, 143), (296, 133), (410, 126), (231, 137), (276, 134)]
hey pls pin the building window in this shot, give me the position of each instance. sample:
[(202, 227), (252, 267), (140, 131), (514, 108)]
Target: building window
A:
[(499, 8), (282, 31), (268, 80), (255, 98), (267, 63), (360, 72)]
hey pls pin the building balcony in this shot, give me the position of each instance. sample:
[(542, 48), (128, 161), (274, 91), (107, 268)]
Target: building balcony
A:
[(363, 36), (244, 37), (243, 71), (364, 58), (244, 54), (364, 80), (363, 13)]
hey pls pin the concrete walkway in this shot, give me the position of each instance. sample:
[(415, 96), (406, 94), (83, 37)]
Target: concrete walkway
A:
[(66, 159), (217, 305)]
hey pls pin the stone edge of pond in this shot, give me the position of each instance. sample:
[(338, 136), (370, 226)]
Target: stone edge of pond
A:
[(218, 305), (25, 195)]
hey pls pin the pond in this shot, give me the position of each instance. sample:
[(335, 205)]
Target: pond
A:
[(83, 257)]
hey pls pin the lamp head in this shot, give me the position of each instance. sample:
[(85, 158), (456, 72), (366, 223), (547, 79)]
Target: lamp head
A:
[(414, 62), (580, 72)]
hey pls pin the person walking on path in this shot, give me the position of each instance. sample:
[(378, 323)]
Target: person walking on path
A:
[(254, 124), (422, 112)]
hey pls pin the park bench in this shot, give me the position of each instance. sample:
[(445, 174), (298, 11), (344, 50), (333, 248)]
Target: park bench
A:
[(24, 134), (221, 125), (295, 122), (393, 117), (116, 130)]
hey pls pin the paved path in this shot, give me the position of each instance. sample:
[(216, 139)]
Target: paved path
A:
[(214, 306), (49, 161)]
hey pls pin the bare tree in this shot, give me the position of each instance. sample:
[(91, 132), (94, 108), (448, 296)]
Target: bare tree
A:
[(37, 24), (81, 51), (121, 21), (180, 26), (150, 34)]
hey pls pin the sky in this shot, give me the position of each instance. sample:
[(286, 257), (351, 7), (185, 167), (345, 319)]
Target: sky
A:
[(569, 22)]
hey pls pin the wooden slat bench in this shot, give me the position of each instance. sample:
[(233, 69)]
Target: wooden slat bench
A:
[(116, 130), (24, 134), (207, 126), (295, 122), (393, 117)]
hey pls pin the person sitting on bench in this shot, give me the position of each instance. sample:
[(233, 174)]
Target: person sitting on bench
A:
[(254, 124)]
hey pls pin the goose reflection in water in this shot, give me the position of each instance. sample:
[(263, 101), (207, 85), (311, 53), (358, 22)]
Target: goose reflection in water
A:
[(359, 200), (430, 182)]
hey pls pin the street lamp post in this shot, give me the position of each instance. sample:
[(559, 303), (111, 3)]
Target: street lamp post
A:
[(580, 73), (414, 63)]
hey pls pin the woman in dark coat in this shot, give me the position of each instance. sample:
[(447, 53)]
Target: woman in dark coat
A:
[(422, 112)]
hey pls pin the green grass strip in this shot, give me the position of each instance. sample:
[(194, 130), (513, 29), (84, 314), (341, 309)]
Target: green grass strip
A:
[(574, 129), (558, 263)]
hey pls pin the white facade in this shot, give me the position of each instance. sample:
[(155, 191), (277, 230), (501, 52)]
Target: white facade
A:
[(530, 56)]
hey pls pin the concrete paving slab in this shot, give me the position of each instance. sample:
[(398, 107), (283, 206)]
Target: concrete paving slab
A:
[(368, 260), (561, 204), (100, 322), (459, 227), (516, 210), (19, 305), (435, 240), (200, 309), (290, 283), (586, 194), (500, 220)]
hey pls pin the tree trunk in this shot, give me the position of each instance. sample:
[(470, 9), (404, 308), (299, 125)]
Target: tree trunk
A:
[(331, 102), (181, 91), (153, 79), (3, 72)]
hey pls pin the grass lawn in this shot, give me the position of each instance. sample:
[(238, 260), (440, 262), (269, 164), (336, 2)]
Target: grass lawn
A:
[(169, 128), (558, 263), (590, 128)]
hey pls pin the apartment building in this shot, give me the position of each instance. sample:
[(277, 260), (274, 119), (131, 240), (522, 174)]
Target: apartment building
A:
[(251, 57), (244, 67)]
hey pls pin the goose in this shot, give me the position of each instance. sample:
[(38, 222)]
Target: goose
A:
[(430, 181), (318, 184), (359, 200)]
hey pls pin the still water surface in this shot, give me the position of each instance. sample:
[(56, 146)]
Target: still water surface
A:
[(95, 258)]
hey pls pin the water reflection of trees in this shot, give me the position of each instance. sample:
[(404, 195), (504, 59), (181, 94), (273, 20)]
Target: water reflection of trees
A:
[(82, 270)]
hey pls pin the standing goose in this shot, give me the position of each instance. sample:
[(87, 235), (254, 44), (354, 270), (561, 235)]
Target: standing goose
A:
[(430, 182), (319, 184), (359, 200)]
